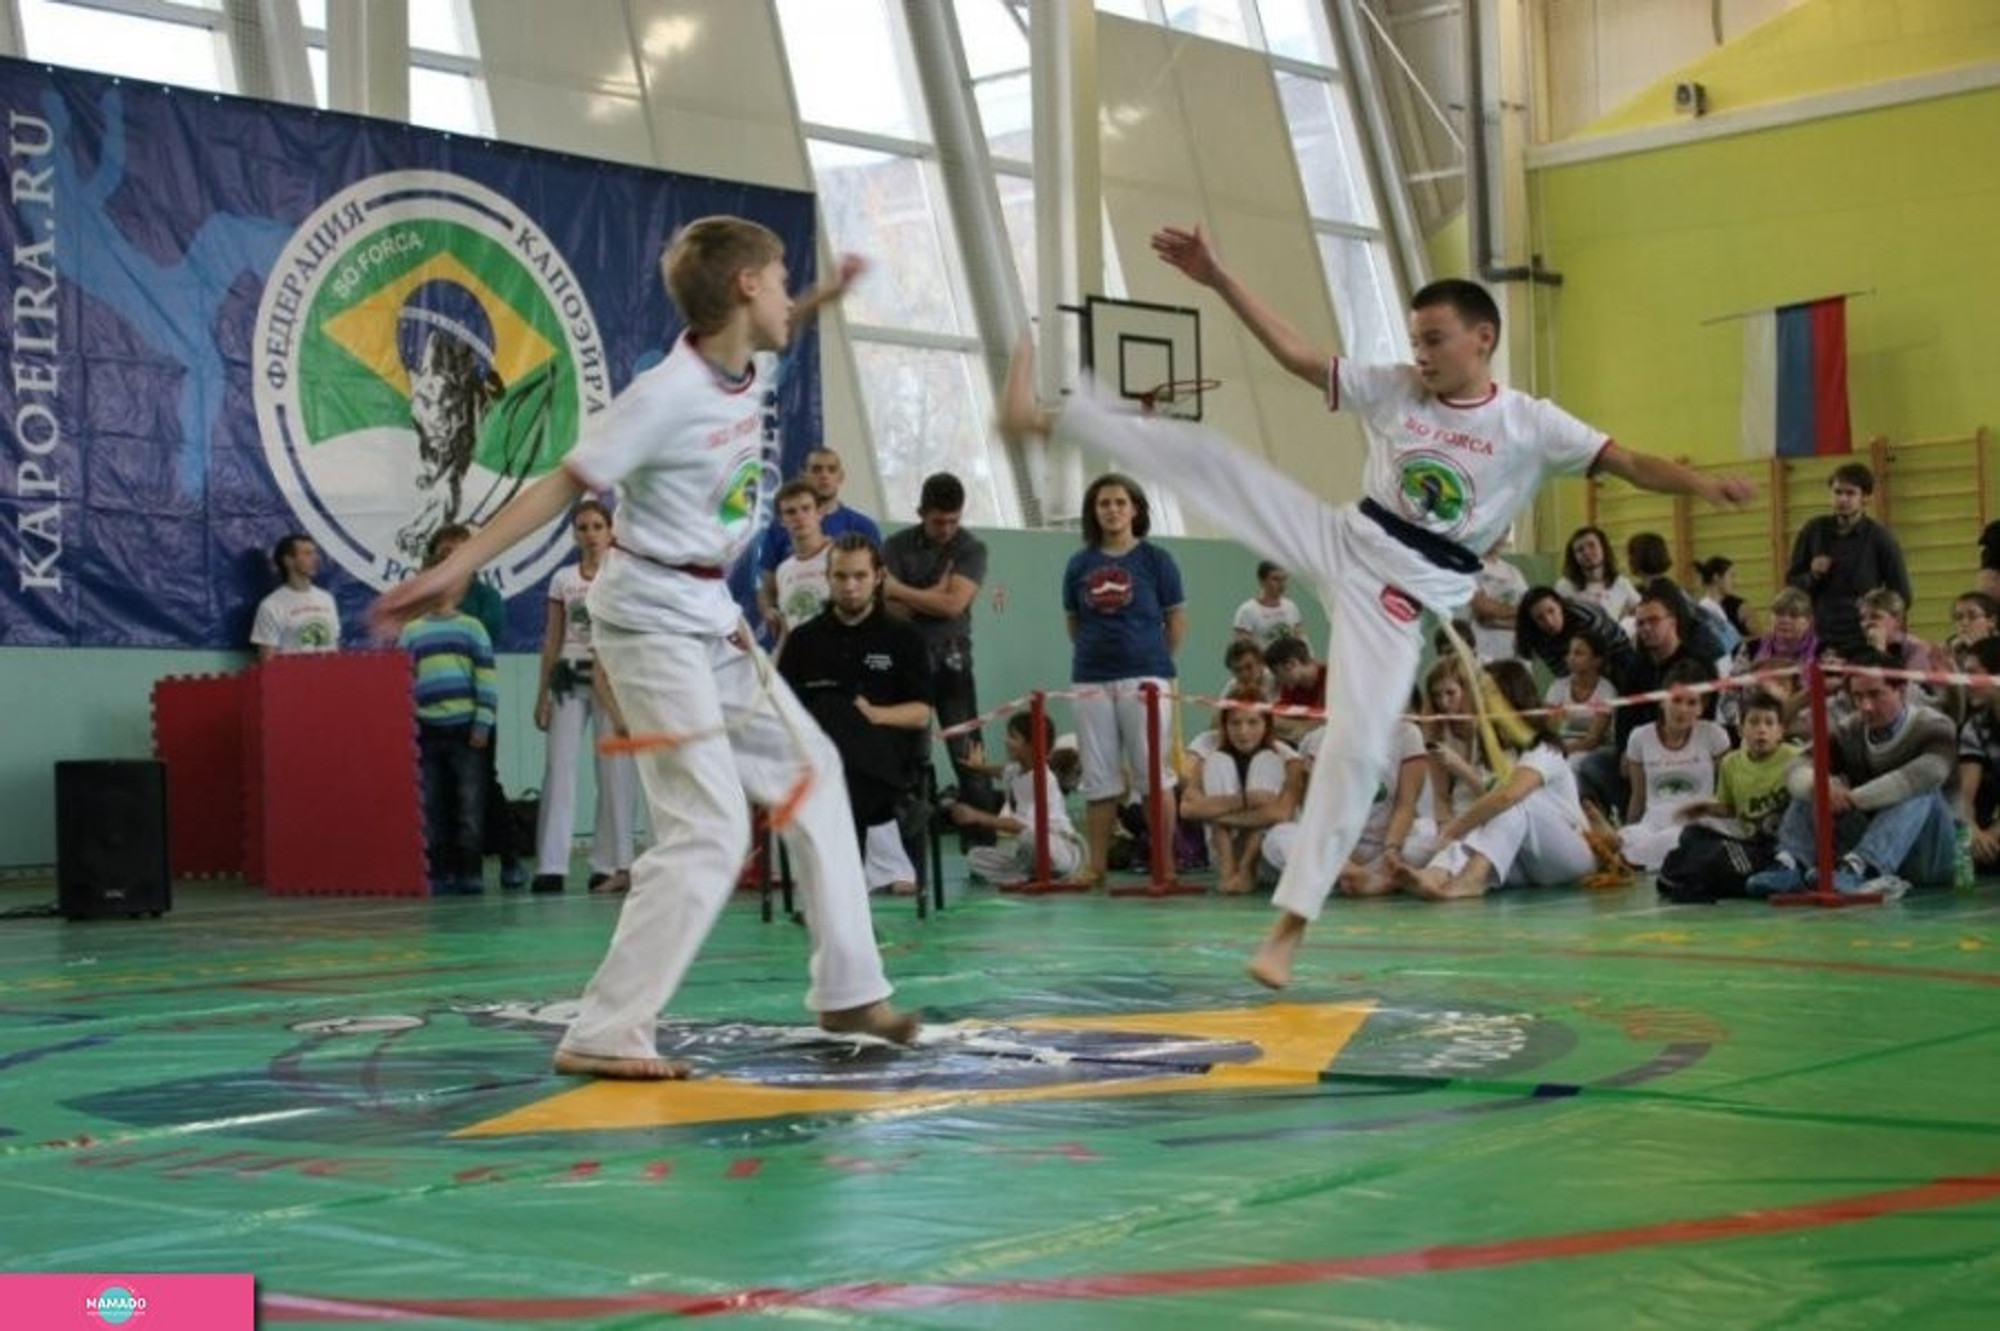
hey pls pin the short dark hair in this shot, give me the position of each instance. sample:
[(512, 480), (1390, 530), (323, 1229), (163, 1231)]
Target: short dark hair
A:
[(848, 542), (1987, 653), (1023, 724), (450, 531), (792, 489), (942, 493), (1473, 302), (1987, 605), (1142, 512), (1866, 657), (1648, 553), (1239, 648), (1759, 700), (1688, 670), (1855, 474), (1285, 651), (282, 551), (1266, 567)]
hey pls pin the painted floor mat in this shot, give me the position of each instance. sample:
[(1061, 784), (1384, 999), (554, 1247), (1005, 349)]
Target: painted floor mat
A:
[(1547, 1109)]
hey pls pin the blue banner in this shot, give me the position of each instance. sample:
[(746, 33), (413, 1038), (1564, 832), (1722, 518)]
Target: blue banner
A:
[(229, 320)]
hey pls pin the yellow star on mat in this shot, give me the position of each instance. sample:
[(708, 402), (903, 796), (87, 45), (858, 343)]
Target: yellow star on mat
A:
[(1295, 1043)]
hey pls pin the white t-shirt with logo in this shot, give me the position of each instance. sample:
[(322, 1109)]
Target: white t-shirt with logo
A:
[(292, 622), (1460, 470), (1267, 624), (687, 450), (1675, 777), (569, 588), (803, 586)]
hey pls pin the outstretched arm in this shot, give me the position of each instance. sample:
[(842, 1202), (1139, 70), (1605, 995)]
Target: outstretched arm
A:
[(805, 307), (439, 585), (1649, 471), (1190, 252)]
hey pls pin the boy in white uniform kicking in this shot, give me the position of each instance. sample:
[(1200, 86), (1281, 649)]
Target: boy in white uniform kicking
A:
[(686, 444), (1452, 458)]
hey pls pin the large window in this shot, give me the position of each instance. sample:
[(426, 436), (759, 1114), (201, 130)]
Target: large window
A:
[(161, 41), (1333, 164), (881, 196), (447, 90)]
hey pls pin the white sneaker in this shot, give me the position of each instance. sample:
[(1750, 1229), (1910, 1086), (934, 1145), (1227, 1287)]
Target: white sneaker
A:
[(1889, 885)]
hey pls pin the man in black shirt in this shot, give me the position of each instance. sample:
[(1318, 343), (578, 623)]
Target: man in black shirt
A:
[(865, 677), (1842, 554)]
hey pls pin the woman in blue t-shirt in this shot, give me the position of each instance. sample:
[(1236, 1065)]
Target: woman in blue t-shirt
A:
[(1126, 612)]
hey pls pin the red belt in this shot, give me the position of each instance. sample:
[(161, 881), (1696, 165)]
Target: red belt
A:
[(712, 572)]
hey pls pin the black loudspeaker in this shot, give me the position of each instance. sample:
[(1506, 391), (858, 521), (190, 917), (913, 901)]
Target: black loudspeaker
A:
[(111, 839)]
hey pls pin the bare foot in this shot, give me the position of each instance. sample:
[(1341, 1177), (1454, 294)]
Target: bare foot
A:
[(570, 1063), (878, 1019), (902, 889), (1272, 964), (1408, 878)]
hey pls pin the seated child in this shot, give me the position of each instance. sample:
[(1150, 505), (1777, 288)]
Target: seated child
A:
[(1669, 765), (1013, 860), (1249, 783), (1750, 783)]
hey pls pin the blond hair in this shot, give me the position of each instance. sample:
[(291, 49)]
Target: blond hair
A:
[(702, 262)]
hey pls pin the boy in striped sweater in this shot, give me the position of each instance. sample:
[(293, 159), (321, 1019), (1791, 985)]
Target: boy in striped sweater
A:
[(453, 659)]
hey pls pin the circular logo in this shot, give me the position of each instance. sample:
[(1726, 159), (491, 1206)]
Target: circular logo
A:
[(422, 353), (1435, 491), (114, 1305)]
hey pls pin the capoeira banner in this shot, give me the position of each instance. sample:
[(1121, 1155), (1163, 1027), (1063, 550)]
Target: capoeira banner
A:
[(229, 319)]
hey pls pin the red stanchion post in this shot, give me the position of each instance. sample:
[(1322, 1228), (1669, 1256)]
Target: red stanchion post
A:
[(1822, 893), (1161, 851), (1041, 879)]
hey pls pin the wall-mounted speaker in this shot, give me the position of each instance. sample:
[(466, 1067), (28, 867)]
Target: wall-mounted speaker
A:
[(111, 839), (1690, 99)]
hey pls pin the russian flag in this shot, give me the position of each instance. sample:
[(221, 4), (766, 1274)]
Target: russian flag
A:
[(1795, 381)]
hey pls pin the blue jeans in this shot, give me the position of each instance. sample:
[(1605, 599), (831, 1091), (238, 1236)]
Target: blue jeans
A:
[(1913, 840), (454, 801)]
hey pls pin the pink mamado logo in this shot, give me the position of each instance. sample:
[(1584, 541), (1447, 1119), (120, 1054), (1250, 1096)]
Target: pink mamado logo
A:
[(115, 1305)]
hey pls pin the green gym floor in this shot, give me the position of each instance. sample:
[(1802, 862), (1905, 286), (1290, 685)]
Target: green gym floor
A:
[(1547, 1109)]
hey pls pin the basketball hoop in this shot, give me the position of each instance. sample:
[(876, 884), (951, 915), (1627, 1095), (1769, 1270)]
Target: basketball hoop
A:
[(1175, 391)]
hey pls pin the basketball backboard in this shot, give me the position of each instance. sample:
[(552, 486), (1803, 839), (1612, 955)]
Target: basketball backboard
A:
[(1133, 348)]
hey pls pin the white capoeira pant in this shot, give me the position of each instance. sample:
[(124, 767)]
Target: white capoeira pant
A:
[(617, 789), (1376, 638), (694, 685), (885, 859), (1535, 843)]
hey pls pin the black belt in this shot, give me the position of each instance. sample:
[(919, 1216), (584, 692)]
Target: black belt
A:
[(1444, 553), (712, 572)]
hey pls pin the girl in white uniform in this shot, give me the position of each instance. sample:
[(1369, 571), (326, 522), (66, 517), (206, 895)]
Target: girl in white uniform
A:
[(572, 695), (1249, 784), (1452, 458), (1012, 859), (687, 444), (1528, 830)]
